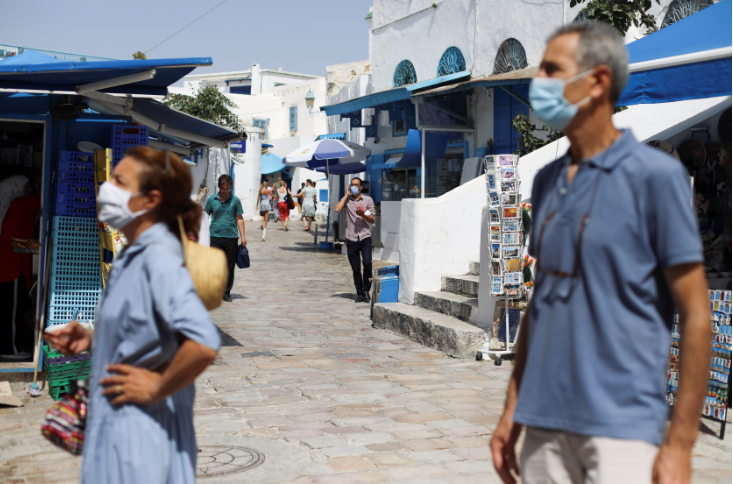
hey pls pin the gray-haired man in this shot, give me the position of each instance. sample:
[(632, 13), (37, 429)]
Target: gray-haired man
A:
[(617, 246)]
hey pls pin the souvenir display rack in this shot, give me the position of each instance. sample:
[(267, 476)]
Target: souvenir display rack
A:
[(717, 398), (506, 244)]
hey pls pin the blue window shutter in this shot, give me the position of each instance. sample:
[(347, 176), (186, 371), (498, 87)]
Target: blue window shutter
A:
[(506, 108), (293, 118), (240, 90), (264, 124), (502, 122), (323, 196)]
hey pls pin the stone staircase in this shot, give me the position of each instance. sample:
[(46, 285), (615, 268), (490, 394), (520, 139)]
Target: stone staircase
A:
[(439, 319)]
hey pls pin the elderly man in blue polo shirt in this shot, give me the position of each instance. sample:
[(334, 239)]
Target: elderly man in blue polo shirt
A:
[(617, 247), (227, 226)]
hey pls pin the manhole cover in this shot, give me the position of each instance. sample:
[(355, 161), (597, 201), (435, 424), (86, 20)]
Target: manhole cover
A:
[(215, 460)]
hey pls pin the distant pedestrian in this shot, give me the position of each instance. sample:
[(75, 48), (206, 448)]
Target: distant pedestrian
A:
[(310, 202), (275, 208), (283, 196), (298, 198), (617, 248), (359, 215), (263, 205), (227, 226)]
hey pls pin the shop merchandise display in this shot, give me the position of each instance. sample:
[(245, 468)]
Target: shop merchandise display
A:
[(717, 398)]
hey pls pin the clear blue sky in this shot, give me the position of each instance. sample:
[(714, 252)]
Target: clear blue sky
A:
[(298, 35)]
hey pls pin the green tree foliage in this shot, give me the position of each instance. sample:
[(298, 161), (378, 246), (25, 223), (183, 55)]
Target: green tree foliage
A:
[(528, 142), (621, 14), (208, 104), (139, 55)]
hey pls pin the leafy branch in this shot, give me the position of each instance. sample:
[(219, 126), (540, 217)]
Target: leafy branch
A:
[(621, 14), (528, 142)]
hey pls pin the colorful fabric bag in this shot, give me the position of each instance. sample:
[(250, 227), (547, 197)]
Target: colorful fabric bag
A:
[(65, 422)]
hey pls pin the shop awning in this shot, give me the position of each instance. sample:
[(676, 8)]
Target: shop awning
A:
[(389, 95), (187, 131), (271, 163), (332, 136), (647, 122), (28, 71), (521, 76), (690, 59)]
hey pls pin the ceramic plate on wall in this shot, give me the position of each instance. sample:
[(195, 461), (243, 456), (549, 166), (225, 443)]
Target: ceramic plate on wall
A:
[(664, 146), (88, 146)]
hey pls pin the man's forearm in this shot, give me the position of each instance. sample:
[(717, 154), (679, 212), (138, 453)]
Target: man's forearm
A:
[(340, 206), (240, 224)]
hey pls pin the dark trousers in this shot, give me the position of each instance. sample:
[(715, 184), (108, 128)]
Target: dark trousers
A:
[(231, 249), (14, 299), (361, 249)]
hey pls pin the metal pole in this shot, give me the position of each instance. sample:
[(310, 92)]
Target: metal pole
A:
[(328, 216), (422, 165)]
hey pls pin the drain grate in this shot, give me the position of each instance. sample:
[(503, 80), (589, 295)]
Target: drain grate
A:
[(216, 460)]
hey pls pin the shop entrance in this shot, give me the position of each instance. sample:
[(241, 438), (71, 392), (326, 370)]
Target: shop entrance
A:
[(22, 155)]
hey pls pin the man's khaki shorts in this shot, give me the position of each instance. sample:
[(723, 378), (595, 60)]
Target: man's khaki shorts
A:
[(550, 456)]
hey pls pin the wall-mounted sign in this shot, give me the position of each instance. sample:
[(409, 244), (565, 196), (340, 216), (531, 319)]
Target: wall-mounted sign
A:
[(239, 146)]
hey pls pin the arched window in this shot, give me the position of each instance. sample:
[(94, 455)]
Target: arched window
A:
[(404, 74), (451, 62), (680, 9), (510, 57)]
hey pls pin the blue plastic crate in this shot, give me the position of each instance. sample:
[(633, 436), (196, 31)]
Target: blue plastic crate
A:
[(62, 305), (389, 289), (127, 135), (76, 198), (76, 187), (76, 210), (75, 228), (388, 271), (76, 156), (79, 282), (75, 176)]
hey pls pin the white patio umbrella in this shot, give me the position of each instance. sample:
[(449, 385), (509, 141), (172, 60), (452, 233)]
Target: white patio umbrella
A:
[(327, 153)]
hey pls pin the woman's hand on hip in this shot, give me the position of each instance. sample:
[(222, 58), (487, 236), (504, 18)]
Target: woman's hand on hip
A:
[(132, 384), (71, 339)]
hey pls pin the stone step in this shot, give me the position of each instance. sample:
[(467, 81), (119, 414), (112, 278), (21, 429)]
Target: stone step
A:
[(474, 268), (435, 330), (465, 285), (455, 305)]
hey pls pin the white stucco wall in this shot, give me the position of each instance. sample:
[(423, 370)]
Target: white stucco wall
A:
[(439, 236)]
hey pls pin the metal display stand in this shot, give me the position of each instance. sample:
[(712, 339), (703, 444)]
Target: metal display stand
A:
[(505, 245)]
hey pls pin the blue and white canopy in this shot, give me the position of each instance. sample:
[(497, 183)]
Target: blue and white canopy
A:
[(690, 59), (327, 152)]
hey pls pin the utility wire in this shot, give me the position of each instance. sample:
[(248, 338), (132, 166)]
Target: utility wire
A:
[(187, 26)]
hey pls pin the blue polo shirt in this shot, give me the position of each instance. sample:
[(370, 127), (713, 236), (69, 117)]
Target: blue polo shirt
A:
[(224, 216), (598, 344)]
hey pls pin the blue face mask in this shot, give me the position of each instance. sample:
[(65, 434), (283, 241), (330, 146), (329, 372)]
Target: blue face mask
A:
[(354, 190), (546, 95)]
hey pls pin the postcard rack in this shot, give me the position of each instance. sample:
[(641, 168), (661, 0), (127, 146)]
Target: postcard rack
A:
[(717, 397), (506, 244)]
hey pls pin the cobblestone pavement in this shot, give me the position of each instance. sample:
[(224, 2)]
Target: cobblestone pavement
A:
[(305, 380)]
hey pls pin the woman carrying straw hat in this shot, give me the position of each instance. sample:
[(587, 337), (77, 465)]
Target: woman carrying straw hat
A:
[(153, 335)]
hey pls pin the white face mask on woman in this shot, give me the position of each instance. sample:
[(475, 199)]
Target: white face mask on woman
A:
[(114, 209)]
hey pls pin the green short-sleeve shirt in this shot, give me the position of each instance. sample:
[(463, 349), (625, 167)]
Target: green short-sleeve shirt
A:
[(224, 216)]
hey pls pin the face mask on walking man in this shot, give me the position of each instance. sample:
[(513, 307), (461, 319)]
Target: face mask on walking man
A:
[(617, 246), (359, 218)]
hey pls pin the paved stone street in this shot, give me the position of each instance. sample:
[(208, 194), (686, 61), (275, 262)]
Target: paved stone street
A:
[(306, 381)]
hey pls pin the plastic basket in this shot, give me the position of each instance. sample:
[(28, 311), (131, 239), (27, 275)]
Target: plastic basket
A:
[(51, 356), (75, 229), (57, 391), (76, 156), (76, 187), (63, 304), (60, 373), (75, 177), (127, 136), (82, 281), (76, 209)]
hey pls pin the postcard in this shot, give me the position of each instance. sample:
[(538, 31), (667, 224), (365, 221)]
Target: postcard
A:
[(489, 164), (493, 216), (506, 160), (512, 278), (491, 181), (496, 251), (512, 226), (496, 285), (494, 198), (496, 269), (511, 252), (512, 238), (511, 265), (495, 231), (510, 199), (511, 213), (508, 173), (508, 186)]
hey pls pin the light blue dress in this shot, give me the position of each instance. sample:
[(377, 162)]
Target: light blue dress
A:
[(149, 303)]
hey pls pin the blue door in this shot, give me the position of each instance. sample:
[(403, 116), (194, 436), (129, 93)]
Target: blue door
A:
[(506, 108)]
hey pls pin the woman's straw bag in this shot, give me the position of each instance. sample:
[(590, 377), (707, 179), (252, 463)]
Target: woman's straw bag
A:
[(208, 269)]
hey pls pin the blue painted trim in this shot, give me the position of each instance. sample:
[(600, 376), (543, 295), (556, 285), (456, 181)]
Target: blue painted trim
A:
[(395, 134), (464, 144), (394, 152), (27, 117)]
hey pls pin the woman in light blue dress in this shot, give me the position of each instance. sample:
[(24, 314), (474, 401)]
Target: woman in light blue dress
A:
[(309, 203), (153, 336)]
